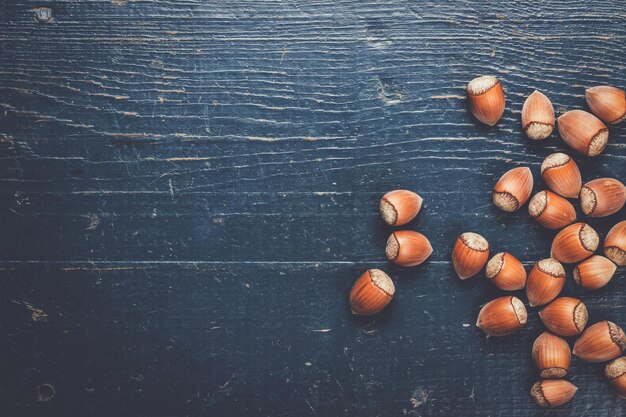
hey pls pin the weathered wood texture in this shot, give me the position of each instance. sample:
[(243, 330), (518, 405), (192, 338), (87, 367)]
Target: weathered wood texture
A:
[(190, 188)]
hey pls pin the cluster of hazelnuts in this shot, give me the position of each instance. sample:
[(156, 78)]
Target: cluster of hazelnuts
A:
[(374, 289), (574, 243)]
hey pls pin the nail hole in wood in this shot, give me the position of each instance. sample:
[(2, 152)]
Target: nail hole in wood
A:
[(45, 392)]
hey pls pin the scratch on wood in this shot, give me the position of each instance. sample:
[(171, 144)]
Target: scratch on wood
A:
[(110, 96), (175, 90), (37, 314), (94, 221), (261, 138), (311, 407), (188, 158), (447, 97), (85, 268)]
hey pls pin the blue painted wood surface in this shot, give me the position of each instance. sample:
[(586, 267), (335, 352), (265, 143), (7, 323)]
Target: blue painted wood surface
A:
[(190, 188)]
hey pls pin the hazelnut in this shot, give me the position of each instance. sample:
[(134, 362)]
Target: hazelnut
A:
[(615, 373), (513, 189), (574, 243), (561, 175), (470, 254), (502, 316), (407, 248), (537, 116), (551, 210), (545, 282), (552, 392), (583, 132), (594, 272), (399, 207), (601, 342), (371, 293), (607, 103), (565, 316), (615, 244), (506, 272), (486, 99), (552, 356), (602, 197)]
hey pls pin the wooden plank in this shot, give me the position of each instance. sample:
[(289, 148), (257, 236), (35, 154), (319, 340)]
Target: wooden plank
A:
[(270, 339), (260, 227)]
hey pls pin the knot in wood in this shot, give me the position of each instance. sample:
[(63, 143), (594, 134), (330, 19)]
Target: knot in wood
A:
[(43, 14)]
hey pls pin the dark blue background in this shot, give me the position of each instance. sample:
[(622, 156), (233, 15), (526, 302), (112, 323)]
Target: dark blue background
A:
[(190, 188)]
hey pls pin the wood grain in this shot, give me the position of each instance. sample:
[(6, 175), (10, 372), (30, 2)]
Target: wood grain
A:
[(190, 188)]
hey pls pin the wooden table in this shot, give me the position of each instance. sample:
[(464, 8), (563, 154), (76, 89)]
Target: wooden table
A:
[(190, 188)]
